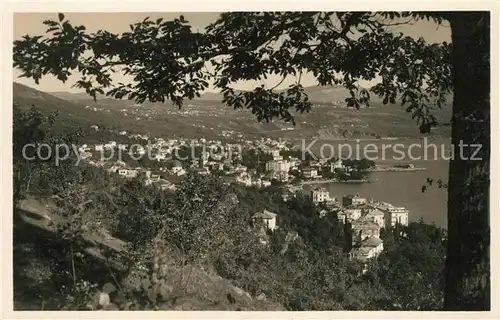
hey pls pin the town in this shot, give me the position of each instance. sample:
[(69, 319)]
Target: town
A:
[(252, 163), (261, 164)]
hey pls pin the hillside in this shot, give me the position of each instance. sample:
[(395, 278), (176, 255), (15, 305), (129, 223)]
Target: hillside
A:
[(208, 117), (317, 94), (35, 228)]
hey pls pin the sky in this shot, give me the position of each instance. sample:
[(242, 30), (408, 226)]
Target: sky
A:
[(117, 22)]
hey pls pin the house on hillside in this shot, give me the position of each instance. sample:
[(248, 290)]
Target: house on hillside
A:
[(165, 185), (376, 216), (282, 176), (265, 218), (392, 214), (177, 169), (370, 248), (244, 178), (362, 230), (128, 173)]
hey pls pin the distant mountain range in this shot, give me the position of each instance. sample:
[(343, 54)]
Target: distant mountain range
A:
[(317, 94), (208, 117)]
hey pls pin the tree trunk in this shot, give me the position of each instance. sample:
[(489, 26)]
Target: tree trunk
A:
[(467, 261), (73, 264)]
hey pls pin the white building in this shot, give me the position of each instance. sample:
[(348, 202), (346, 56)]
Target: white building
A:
[(376, 216), (320, 195), (351, 214), (160, 156), (127, 173), (244, 178), (99, 147), (392, 214), (370, 248), (280, 175), (395, 215), (278, 165), (336, 165), (266, 218), (310, 173), (266, 183), (177, 169), (240, 168)]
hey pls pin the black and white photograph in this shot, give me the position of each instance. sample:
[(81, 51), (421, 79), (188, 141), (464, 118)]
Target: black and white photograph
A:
[(253, 160)]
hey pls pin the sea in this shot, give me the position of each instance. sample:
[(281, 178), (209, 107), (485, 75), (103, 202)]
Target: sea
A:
[(397, 188)]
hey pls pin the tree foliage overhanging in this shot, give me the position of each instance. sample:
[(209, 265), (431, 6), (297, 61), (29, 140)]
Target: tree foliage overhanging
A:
[(170, 61)]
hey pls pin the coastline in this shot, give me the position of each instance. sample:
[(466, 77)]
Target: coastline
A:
[(325, 181), (395, 169)]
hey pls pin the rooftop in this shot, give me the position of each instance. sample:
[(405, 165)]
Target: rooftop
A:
[(372, 242), (375, 212), (264, 214)]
